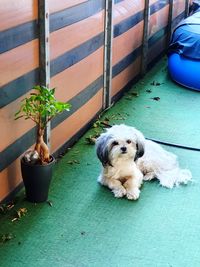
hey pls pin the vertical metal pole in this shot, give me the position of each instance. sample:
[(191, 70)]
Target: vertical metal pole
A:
[(170, 20), (108, 29), (145, 38), (187, 6), (44, 58)]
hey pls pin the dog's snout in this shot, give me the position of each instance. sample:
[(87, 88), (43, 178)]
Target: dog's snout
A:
[(123, 149)]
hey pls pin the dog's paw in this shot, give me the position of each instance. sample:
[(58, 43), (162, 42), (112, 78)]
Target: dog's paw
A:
[(119, 192), (133, 194), (149, 176)]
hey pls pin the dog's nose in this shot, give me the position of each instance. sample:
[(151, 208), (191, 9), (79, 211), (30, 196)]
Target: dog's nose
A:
[(123, 149)]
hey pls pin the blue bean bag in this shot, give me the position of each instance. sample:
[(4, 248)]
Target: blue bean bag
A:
[(184, 52)]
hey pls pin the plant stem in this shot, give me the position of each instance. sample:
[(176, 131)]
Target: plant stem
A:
[(41, 146)]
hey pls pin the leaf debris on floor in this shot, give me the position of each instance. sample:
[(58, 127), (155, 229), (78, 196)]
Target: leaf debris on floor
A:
[(19, 214), (6, 237), (49, 203), (73, 161), (131, 95), (156, 98), (154, 83), (4, 208)]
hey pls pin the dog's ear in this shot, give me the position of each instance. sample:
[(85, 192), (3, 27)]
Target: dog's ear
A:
[(140, 150), (102, 148), (140, 144)]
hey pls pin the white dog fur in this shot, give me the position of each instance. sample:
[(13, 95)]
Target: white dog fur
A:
[(128, 159)]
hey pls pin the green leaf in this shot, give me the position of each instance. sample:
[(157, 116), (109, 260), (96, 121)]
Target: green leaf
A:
[(53, 91), (41, 105)]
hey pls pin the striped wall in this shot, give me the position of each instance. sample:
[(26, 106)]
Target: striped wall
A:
[(158, 28), (19, 63), (127, 24), (77, 34), (178, 11), (127, 50), (77, 39)]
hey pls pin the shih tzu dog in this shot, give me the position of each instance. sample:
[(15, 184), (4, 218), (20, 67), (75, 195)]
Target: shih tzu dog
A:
[(128, 159)]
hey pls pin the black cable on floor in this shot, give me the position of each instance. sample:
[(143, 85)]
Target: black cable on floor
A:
[(173, 145), (107, 125)]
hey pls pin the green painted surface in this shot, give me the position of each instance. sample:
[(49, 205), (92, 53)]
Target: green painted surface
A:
[(87, 226)]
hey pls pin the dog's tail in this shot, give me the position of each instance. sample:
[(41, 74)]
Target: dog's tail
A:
[(174, 177)]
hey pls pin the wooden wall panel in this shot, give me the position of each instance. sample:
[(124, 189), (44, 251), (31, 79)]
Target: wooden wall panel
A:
[(10, 178), (11, 129), (127, 42), (158, 20), (71, 81), (121, 80), (19, 61), (157, 49), (151, 2), (16, 12), (178, 7), (57, 5), (79, 81), (124, 44), (72, 36), (75, 122), (125, 9)]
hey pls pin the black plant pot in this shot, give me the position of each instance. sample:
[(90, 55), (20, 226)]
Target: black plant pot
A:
[(37, 180)]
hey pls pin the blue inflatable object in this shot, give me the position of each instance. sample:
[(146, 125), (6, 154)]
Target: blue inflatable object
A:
[(184, 71), (184, 53)]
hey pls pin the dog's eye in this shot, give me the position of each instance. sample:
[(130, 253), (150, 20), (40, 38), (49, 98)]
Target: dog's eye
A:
[(128, 141), (115, 143)]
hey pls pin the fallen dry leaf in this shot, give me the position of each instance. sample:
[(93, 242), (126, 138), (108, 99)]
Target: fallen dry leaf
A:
[(6, 237), (74, 161), (4, 208), (50, 203), (156, 83), (134, 94), (90, 140), (156, 98), (19, 214)]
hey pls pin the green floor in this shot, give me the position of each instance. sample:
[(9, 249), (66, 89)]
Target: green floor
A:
[(87, 227)]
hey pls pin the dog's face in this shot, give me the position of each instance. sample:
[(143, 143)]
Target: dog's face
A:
[(119, 141), (122, 147)]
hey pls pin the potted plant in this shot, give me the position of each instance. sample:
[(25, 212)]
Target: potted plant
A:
[(36, 165)]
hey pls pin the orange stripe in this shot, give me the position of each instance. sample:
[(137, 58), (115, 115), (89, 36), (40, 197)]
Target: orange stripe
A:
[(64, 131), (58, 5), (178, 7), (126, 9), (18, 61), (69, 37), (158, 20), (74, 79), (151, 2), (9, 179), (124, 44), (156, 49), (11, 130), (125, 76), (13, 13)]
